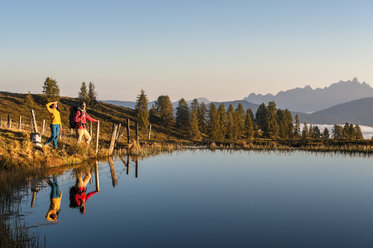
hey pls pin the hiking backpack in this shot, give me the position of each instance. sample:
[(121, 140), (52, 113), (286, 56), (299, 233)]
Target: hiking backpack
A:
[(72, 123)]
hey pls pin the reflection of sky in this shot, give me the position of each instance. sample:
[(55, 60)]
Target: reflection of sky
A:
[(221, 199), (181, 48)]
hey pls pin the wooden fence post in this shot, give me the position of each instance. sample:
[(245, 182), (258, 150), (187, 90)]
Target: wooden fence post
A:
[(113, 136), (43, 129), (97, 136), (1, 122), (150, 131), (118, 132), (137, 132), (90, 129), (20, 123), (128, 131), (9, 121), (33, 121)]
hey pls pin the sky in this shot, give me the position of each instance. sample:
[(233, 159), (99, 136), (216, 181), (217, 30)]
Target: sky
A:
[(221, 50)]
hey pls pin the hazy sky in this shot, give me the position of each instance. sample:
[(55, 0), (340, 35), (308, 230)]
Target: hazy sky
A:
[(222, 50)]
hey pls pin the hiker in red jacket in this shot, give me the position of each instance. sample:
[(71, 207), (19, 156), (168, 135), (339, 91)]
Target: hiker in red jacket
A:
[(81, 117)]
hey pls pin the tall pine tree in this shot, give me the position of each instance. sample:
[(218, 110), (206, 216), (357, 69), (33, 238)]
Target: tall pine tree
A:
[(51, 91), (83, 93), (182, 114), (142, 111)]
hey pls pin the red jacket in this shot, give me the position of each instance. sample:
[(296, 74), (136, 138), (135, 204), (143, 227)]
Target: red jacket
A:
[(81, 119), (82, 197)]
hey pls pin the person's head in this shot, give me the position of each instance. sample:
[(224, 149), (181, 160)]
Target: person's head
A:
[(83, 105), (54, 105), (53, 216)]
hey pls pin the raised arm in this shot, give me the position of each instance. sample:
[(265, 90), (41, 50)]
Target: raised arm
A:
[(90, 118), (49, 106)]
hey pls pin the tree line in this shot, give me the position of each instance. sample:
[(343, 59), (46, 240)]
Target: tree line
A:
[(216, 123), (213, 122)]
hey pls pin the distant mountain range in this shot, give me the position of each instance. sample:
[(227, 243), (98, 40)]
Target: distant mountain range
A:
[(345, 101), (357, 112), (308, 100)]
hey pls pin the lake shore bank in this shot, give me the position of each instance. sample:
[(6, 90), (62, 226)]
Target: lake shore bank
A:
[(17, 152)]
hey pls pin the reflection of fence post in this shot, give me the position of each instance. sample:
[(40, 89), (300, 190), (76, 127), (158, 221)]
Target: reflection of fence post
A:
[(128, 165), (43, 128), (128, 131), (97, 135), (137, 132), (112, 171), (9, 121), (97, 178), (150, 131), (113, 136), (137, 168), (20, 123), (33, 198)]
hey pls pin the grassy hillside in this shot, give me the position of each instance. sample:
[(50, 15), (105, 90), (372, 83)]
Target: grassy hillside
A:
[(14, 104)]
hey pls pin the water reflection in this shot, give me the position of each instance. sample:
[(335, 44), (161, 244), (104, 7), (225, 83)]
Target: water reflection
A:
[(55, 200), (78, 193)]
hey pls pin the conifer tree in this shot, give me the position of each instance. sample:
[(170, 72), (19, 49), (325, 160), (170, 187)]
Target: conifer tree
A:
[(337, 132), (152, 112), (182, 114), (249, 130), (316, 132), (305, 133), (51, 90), (165, 109), (213, 126), (261, 117), (273, 128), (142, 111), (310, 131), (92, 94), (297, 126), (346, 131), (230, 126), (281, 123), (241, 111), (83, 93), (202, 118), (326, 133), (351, 132), (222, 120), (288, 123), (29, 101), (194, 132), (358, 133)]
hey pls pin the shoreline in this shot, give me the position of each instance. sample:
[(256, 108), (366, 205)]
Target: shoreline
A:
[(17, 152)]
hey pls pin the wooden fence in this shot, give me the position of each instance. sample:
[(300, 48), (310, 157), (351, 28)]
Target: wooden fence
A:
[(31, 124)]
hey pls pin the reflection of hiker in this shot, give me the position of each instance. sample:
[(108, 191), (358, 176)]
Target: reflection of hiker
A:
[(80, 118), (78, 193), (55, 200), (55, 124)]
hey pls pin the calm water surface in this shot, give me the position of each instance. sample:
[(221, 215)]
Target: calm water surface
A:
[(214, 199)]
